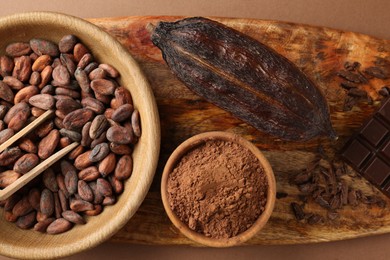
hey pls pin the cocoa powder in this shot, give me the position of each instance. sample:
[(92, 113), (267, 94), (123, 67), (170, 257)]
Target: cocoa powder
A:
[(218, 189)]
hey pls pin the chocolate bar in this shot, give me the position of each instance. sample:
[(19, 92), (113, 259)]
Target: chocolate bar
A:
[(368, 152)]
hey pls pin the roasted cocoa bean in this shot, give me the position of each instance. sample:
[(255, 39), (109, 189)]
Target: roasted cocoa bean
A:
[(18, 49), (45, 76), (47, 202), (95, 211), (98, 126), (117, 185), (93, 104), (67, 92), (100, 139), (84, 191), (22, 69), (78, 118), (20, 108), (107, 165), (8, 177), (124, 167), (68, 61), (67, 43), (97, 73), (82, 79), (90, 67), (6, 92), (50, 180), (119, 135), (48, 144), (44, 129), (82, 161), (42, 47), (73, 217), (103, 86), (67, 105), (122, 113), (58, 226), (9, 156), (85, 60)]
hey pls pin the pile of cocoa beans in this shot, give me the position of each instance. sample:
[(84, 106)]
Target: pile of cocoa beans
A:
[(91, 108)]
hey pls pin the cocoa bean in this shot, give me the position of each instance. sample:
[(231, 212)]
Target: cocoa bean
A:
[(41, 62), (37, 111), (42, 47), (67, 43), (35, 78), (68, 61), (73, 217), (17, 49), (9, 156), (6, 92), (13, 83), (66, 167), (44, 129), (8, 216), (57, 205), (76, 152), (63, 200), (25, 163), (84, 191), (119, 135), (124, 167), (42, 101), (27, 145), (25, 94), (26, 221), (110, 200), (58, 122), (98, 197), (50, 180), (79, 205), (58, 226), (89, 174), (41, 216), (47, 202), (85, 60), (122, 113), (82, 79), (22, 208), (11, 201), (107, 165), (6, 66), (120, 149), (34, 198), (60, 114), (61, 184), (60, 76), (103, 187), (48, 144), (71, 180), (114, 104), (123, 96), (77, 119), (8, 177), (73, 135), (99, 152), (19, 121), (67, 92), (117, 185), (41, 226), (111, 71), (103, 86), (98, 126), (22, 69), (100, 139), (86, 140), (79, 50), (90, 67), (45, 76), (6, 134), (95, 211), (93, 104), (103, 98), (97, 73), (2, 125), (3, 111), (48, 89), (136, 123)]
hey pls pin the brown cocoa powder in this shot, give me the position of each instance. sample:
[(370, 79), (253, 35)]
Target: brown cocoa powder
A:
[(218, 189)]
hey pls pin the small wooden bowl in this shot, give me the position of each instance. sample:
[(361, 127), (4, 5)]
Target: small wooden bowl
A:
[(192, 143), (29, 244)]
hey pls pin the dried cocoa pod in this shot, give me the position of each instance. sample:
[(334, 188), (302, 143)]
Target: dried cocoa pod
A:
[(8, 177), (244, 77)]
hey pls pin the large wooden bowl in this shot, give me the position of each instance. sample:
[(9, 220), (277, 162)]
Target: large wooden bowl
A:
[(29, 244), (191, 144)]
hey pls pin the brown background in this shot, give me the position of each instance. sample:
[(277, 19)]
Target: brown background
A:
[(369, 17)]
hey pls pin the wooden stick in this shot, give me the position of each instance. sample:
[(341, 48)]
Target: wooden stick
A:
[(26, 130), (19, 183)]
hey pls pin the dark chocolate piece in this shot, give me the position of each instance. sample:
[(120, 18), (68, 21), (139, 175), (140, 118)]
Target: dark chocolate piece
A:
[(368, 151)]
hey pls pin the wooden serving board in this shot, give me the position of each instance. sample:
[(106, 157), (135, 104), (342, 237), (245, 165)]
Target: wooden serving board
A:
[(320, 53)]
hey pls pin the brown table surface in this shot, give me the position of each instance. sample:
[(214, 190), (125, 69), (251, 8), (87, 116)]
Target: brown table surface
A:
[(369, 17)]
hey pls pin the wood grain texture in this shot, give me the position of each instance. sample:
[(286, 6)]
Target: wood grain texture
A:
[(320, 53)]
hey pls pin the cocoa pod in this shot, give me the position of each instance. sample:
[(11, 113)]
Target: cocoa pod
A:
[(25, 94), (6, 92), (111, 71), (26, 221), (122, 113), (6, 134), (22, 208), (103, 86), (50, 180), (8, 177), (25, 163), (89, 174), (41, 226), (67, 43), (84, 191), (9, 156), (107, 165), (18, 49), (22, 69), (48, 144), (120, 149), (42, 101), (124, 167), (98, 126), (119, 135), (259, 86), (77, 119), (73, 217), (79, 205), (99, 152), (27, 145), (42, 47), (58, 226), (47, 202), (13, 83)]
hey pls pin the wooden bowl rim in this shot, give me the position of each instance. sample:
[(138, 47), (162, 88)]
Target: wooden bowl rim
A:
[(195, 141), (150, 148)]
